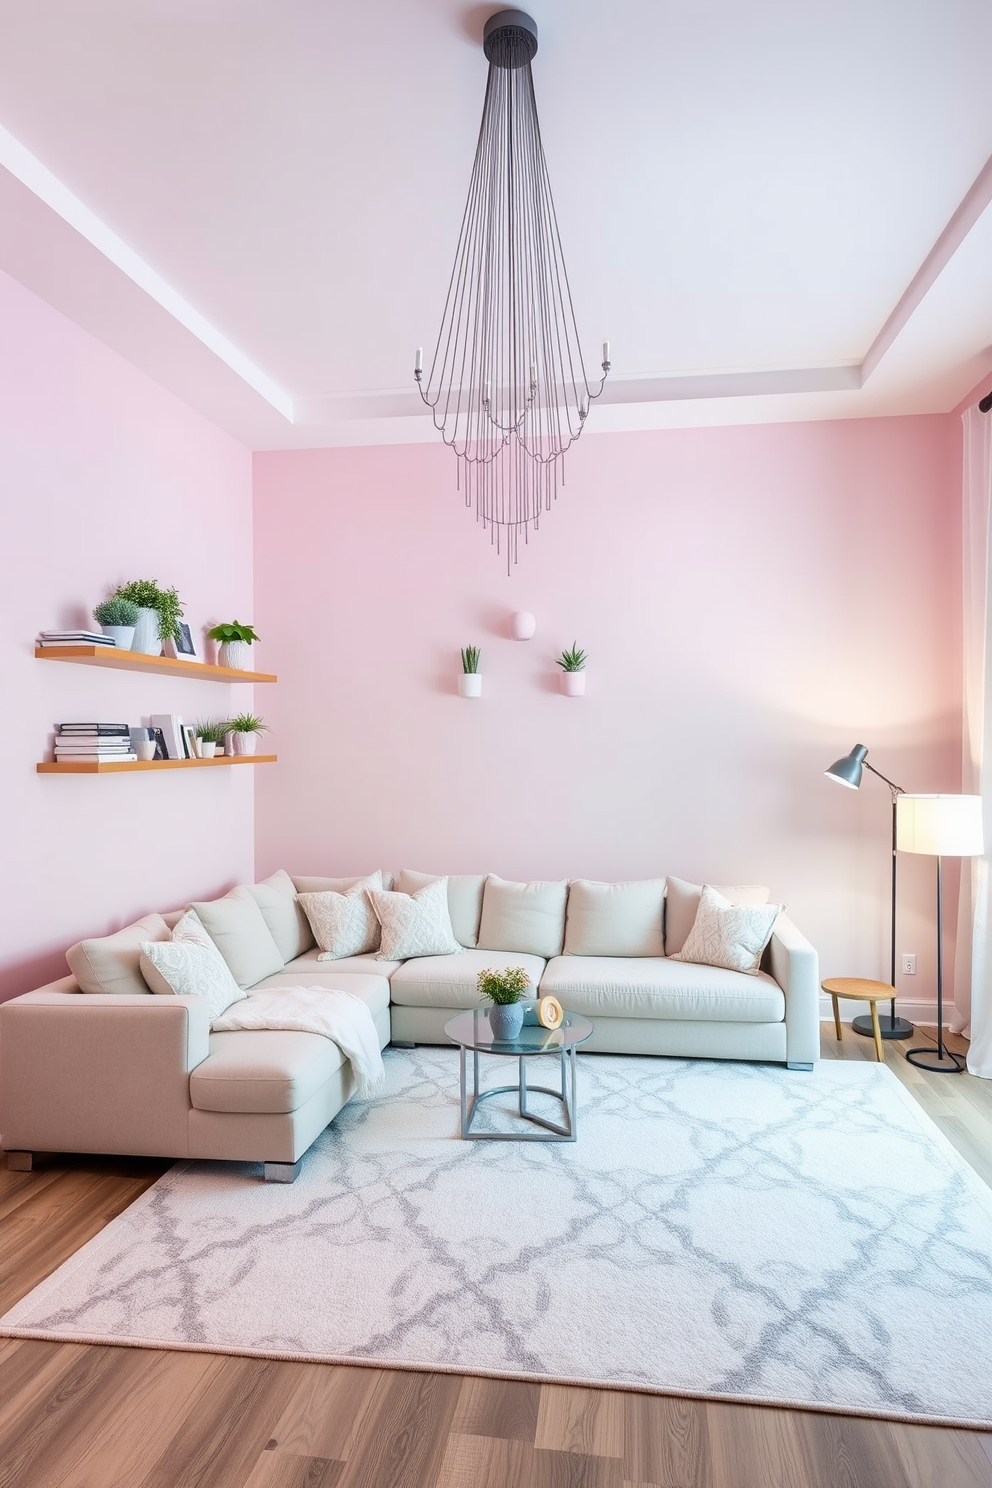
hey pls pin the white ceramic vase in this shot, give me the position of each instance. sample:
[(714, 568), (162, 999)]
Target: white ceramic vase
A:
[(121, 635), (146, 638), (243, 743), (573, 684), (470, 684), (206, 748), (237, 655)]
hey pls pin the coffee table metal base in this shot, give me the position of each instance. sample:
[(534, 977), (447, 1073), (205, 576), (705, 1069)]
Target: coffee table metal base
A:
[(552, 1131)]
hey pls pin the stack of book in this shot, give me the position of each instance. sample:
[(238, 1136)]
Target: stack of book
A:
[(74, 638), (94, 744)]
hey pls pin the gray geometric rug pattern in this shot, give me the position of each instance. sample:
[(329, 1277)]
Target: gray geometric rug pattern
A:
[(724, 1230)]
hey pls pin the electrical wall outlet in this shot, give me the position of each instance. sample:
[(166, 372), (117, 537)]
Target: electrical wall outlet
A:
[(909, 963)]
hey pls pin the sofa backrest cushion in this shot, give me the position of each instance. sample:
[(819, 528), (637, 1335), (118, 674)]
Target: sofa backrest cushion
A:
[(311, 885), (526, 917), (238, 930), (288, 925), (111, 962), (464, 900), (615, 919), (682, 902), (344, 924)]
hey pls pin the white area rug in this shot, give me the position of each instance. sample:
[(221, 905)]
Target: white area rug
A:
[(718, 1229)]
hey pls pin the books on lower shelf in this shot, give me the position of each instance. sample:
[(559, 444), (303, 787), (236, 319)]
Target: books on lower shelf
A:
[(101, 757), (74, 638), (178, 738), (89, 743)]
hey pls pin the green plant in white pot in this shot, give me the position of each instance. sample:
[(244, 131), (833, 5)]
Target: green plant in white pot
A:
[(242, 732), (573, 671), (235, 644), (470, 681), (117, 619), (503, 990), (159, 614), (207, 734)]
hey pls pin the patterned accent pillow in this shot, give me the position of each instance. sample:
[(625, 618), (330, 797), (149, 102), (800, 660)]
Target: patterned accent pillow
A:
[(190, 965), (415, 924), (729, 935), (344, 924)]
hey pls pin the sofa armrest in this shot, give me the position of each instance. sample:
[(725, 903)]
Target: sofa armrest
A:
[(96, 1073), (796, 967)]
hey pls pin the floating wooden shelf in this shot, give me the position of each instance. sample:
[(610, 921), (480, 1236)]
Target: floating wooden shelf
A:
[(61, 767), (136, 661)]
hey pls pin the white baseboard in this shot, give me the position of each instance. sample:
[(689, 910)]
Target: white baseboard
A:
[(916, 1009)]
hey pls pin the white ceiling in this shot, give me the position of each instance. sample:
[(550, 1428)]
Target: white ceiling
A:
[(257, 200)]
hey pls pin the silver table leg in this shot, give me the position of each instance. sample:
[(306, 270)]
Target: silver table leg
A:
[(565, 1131)]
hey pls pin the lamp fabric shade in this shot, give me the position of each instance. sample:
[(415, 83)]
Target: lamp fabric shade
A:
[(941, 825)]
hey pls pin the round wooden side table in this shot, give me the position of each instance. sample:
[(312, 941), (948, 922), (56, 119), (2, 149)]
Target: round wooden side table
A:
[(860, 989)]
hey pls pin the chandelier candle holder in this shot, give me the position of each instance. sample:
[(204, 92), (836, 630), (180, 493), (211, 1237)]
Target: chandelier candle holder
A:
[(507, 386)]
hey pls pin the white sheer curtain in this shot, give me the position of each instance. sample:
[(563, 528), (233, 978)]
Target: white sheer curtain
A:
[(973, 964)]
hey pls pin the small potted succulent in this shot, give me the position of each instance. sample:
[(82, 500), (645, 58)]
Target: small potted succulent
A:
[(235, 644), (573, 673), (503, 991), (159, 614), (117, 619), (242, 733), (207, 734), (470, 681)]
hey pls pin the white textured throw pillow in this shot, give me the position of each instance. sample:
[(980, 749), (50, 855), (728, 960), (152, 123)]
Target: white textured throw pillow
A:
[(344, 924), (729, 935), (415, 924), (190, 965)]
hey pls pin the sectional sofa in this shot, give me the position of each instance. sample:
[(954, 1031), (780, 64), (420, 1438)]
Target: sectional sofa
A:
[(95, 1063)]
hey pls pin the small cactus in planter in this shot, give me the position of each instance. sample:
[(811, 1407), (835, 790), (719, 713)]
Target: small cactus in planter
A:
[(117, 618), (573, 671), (470, 681), (208, 733), (503, 990)]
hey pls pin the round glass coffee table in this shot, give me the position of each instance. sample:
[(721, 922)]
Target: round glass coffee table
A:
[(472, 1033)]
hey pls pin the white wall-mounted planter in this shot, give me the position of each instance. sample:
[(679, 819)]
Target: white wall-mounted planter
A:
[(237, 655), (522, 625), (573, 684), (146, 638), (470, 684)]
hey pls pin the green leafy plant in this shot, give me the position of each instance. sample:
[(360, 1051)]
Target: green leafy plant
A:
[(470, 659), (571, 661), (147, 595), (235, 631), (502, 987), (116, 612), (245, 723), (212, 731)]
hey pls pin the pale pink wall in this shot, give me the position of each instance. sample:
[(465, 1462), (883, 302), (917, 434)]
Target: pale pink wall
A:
[(753, 600), (104, 477)]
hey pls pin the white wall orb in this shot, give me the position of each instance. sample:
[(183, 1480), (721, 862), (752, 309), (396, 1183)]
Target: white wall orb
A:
[(522, 625)]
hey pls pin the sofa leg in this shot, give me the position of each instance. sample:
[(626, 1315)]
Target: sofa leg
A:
[(799, 1066), (21, 1162), (281, 1172)]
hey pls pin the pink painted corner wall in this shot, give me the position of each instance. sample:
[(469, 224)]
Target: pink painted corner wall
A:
[(754, 601), (106, 477)]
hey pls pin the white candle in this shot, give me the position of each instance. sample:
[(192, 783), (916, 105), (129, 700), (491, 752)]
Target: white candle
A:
[(606, 351), (419, 365)]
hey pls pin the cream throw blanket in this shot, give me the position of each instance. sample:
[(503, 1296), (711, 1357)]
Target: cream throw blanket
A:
[(337, 1015)]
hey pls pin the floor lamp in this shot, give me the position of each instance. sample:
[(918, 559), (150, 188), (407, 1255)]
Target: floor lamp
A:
[(848, 771), (943, 827)]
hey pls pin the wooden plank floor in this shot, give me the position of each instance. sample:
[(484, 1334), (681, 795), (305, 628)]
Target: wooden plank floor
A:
[(75, 1416)]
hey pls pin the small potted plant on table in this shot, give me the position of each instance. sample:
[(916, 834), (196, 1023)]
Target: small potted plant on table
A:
[(503, 991), (159, 614), (117, 619), (243, 731), (235, 644), (470, 681), (573, 671)]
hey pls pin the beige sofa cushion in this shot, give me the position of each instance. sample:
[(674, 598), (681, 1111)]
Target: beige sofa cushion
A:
[(615, 919), (311, 885), (682, 901), (372, 988), (450, 981), (110, 962), (269, 1071), (288, 925), (729, 935), (310, 971), (657, 987), (237, 928), (414, 924), (523, 916), (464, 900)]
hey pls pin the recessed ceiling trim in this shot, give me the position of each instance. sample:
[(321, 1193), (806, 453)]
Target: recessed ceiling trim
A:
[(28, 169)]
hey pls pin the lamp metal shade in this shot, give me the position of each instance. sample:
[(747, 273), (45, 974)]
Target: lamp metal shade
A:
[(942, 826), (849, 770)]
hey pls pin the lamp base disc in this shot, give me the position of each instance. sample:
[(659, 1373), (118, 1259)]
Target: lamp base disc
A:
[(929, 1059), (890, 1028)]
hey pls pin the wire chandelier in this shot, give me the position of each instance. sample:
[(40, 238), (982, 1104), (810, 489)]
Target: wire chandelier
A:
[(507, 385)]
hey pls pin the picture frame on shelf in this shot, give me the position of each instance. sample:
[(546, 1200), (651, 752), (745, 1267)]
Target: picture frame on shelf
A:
[(183, 649)]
